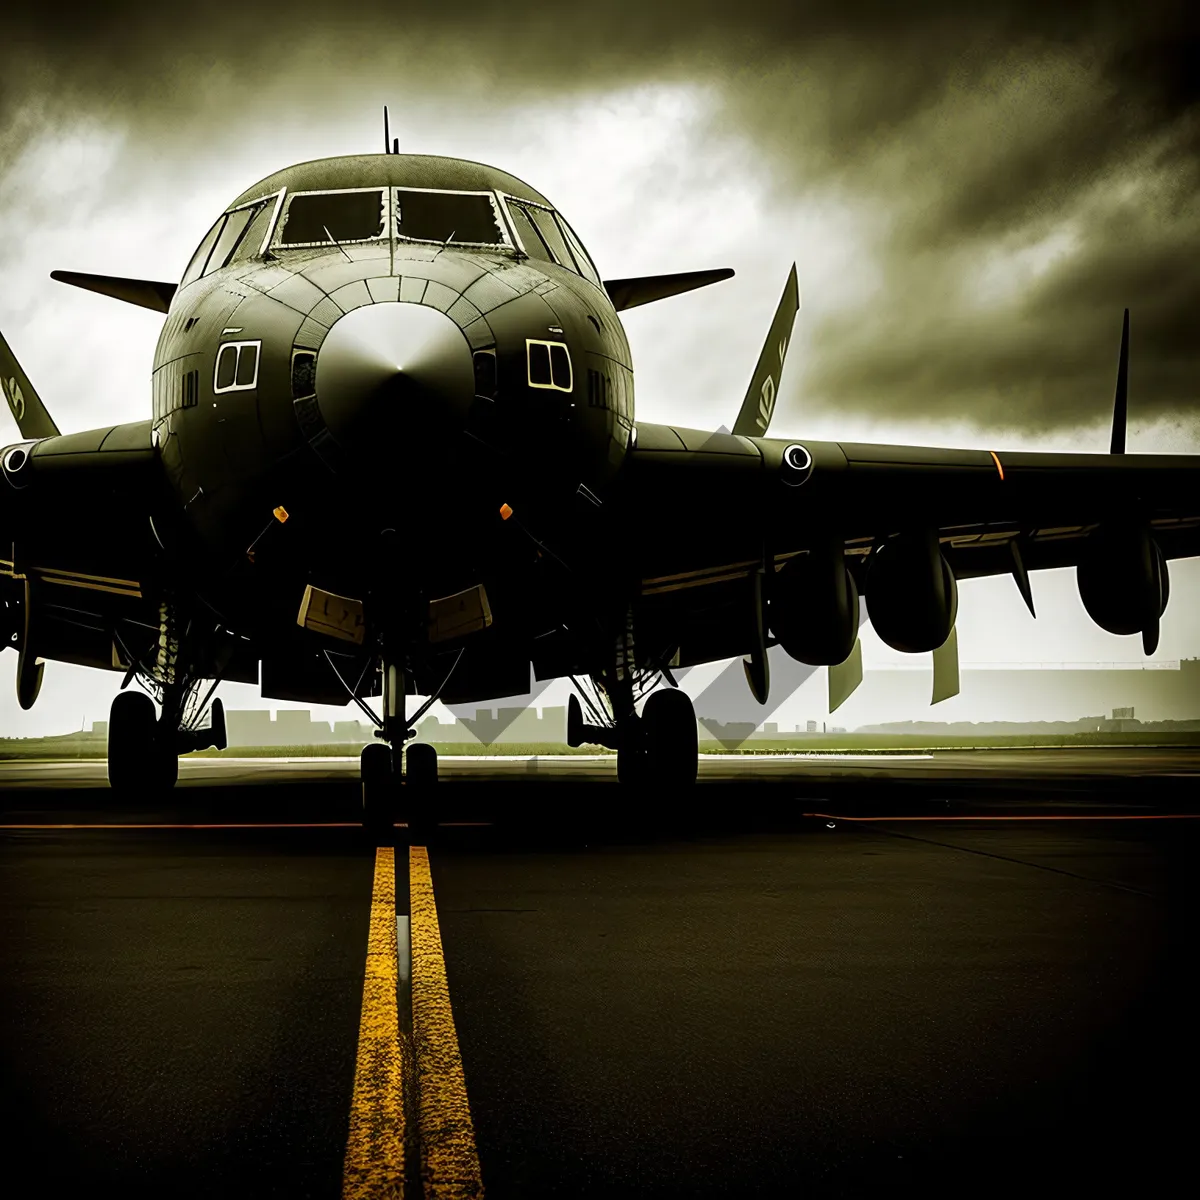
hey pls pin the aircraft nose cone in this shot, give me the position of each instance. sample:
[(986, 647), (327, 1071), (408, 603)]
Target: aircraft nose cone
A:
[(391, 369)]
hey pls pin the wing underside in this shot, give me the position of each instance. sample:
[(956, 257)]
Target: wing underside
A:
[(714, 509)]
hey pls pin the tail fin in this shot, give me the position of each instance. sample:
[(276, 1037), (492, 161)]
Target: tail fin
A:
[(32, 418), (759, 404)]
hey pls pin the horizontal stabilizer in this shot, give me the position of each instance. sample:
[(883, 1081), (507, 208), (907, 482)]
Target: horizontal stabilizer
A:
[(629, 293), (146, 293), (26, 405)]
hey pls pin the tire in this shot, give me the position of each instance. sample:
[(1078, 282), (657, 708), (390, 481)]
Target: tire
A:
[(670, 738), (378, 788), (220, 739), (421, 773), (133, 756), (421, 766)]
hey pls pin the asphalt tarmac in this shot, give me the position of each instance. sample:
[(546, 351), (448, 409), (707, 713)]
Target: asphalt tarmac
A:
[(949, 974)]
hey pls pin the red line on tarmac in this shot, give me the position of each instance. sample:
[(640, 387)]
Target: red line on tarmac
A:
[(1062, 817), (230, 825)]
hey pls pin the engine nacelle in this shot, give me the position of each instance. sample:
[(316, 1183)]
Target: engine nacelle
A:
[(814, 606), (1123, 579), (912, 595)]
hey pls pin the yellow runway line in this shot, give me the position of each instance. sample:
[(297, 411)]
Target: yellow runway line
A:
[(374, 1166), (449, 1158)]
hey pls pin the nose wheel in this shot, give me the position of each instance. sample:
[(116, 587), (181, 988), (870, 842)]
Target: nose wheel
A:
[(387, 791), (378, 788), (420, 776)]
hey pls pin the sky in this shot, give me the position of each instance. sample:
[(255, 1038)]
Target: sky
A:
[(971, 193)]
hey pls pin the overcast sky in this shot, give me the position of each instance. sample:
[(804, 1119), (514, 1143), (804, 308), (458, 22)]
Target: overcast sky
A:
[(972, 194)]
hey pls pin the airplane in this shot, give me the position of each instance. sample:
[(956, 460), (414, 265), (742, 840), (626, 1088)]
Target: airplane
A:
[(393, 451)]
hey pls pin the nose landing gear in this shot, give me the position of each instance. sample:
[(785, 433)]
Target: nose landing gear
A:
[(388, 791)]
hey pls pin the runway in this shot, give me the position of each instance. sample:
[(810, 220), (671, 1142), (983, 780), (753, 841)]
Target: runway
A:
[(819, 977)]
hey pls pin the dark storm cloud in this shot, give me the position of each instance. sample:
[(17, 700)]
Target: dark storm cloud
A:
[(975, 133)]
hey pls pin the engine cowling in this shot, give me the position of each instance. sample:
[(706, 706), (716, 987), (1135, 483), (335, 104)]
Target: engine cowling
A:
[(912, 595), (1123, 579), (814, 608)]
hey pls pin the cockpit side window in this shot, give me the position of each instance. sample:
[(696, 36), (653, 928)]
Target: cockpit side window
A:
[(231, 235), (469, 218), (251, 245), (586, 267), (196, 267), (316, 218), (546, 236), (543, 218), (531, 240)]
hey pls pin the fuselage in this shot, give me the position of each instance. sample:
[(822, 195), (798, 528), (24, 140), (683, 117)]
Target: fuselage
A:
[(376, 352)]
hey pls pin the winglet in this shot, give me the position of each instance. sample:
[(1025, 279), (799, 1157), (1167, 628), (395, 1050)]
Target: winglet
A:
[(1121, 400), (759, 404), (32, 418)]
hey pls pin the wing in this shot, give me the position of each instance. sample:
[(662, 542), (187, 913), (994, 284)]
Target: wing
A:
[(706, 512), (77, 551)]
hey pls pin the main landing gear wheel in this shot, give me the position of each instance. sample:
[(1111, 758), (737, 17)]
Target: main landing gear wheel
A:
[(420, 778), (140, 753), (669, 739), (378, 788)]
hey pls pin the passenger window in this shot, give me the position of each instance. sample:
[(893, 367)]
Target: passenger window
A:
[(226, 368), (560, 367), (237, 367), (549, 365), (539, 365), (527, 232), (196, 267), (247, 366)]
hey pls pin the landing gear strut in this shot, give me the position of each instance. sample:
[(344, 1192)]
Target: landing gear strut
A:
[(659, 748), (380, 767)]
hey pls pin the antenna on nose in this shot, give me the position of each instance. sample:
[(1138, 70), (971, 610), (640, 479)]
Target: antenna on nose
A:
[(391, 145)]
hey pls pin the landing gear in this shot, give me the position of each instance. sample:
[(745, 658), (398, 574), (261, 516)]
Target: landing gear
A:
[(378, 788), (382, 792), (660, 748), (140, 754), (422, 767), (420, 776), (669, 738)]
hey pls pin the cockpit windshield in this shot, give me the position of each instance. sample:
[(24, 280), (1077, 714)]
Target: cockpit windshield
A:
[(465, 217), (313, 218)]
